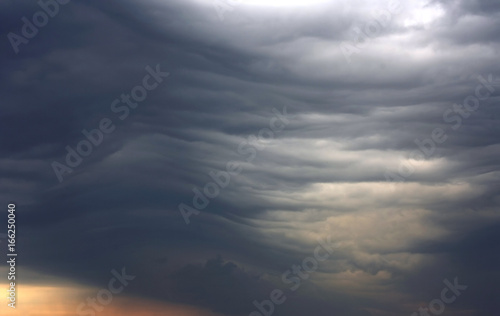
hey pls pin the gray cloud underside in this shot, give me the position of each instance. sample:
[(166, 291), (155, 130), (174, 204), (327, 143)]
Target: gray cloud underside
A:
[(322, 175)]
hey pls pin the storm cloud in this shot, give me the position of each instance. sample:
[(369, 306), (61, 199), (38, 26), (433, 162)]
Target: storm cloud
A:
[(389, 147)]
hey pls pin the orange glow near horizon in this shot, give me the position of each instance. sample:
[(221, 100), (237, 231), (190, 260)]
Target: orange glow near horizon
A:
[(40, 300)]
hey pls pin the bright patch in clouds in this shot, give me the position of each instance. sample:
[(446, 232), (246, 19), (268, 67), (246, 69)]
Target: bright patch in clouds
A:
[(281, 3), (423, 14)]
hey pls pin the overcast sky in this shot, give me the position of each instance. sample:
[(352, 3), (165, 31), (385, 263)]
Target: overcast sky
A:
[(372, 123)]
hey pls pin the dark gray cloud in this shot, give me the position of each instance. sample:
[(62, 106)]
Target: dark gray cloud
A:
[(323, 175)]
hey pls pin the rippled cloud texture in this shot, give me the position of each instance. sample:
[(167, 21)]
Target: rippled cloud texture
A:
[(350, 164)]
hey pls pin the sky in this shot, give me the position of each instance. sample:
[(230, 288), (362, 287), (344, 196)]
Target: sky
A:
[(248, 157)]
